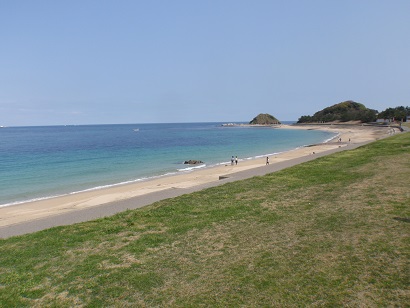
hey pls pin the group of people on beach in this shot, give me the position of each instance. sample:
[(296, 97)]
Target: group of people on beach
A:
[(340, 139), (234, 160)]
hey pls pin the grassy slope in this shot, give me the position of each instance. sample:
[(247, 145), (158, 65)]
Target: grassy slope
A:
[(330, 232)]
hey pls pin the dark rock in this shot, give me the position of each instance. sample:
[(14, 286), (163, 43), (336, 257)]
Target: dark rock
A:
[(193, 162)]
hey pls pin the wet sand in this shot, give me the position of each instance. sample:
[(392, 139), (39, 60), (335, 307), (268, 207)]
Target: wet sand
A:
[(39, 215)]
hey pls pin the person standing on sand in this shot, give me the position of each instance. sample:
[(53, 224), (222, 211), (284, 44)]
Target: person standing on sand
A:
[(236, 160), (232, 160), (267, 160)]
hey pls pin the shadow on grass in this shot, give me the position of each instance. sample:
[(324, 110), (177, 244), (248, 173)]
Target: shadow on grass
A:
[(403, 219)]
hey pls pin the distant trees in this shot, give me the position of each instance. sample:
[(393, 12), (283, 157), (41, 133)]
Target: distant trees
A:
[(353, 111), (342, 112), (399, 114), (305, 119)]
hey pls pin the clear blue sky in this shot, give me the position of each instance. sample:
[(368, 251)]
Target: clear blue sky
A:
[(131, 61)]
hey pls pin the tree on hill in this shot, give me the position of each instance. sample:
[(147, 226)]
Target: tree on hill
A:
[(399, 113), (342, 112), (264, 119)]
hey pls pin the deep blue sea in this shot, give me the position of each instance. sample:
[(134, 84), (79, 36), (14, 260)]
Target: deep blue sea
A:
[(40, 162)]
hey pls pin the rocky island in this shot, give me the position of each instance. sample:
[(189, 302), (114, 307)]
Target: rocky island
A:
[(264, 119)]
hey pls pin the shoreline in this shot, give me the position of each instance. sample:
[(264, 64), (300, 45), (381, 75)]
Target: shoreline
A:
[(187, 168), (93, 199)]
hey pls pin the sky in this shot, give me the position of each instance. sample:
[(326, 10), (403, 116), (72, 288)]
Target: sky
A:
[(159, 61)]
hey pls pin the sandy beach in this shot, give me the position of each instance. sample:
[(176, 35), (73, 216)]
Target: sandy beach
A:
[(351, 136)]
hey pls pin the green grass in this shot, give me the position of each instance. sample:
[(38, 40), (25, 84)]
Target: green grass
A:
[(331, 232)]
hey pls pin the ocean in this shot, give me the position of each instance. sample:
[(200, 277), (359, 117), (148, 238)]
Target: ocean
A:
[(42, 162)]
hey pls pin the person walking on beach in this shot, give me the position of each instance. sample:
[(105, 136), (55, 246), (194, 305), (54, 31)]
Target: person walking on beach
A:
[(267, 160), (232, 160), (236, 160)]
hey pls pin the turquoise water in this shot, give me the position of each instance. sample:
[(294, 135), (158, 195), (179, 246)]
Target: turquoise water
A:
[(40, 162)]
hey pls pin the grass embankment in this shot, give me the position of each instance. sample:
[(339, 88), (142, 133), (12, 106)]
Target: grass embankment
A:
[(331, 232)]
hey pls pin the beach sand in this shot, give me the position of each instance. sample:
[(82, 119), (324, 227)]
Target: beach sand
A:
[(111, 198)]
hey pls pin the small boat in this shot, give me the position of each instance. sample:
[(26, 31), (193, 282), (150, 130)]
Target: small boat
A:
[(136, 129)]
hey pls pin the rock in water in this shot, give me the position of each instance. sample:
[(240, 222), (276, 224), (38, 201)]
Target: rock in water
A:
[(193, 162)]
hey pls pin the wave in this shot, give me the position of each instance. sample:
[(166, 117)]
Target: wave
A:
[(192, 168)]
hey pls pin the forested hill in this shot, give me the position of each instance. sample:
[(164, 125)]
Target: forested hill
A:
[(343, 112)]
